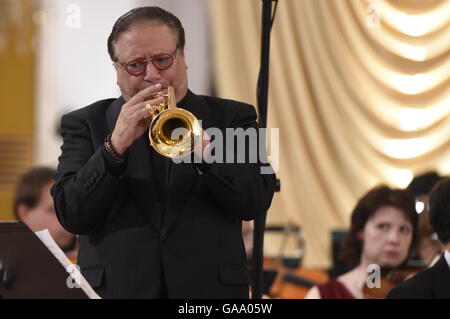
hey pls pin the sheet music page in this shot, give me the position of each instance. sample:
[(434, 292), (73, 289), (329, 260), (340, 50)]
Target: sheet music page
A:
[(77, 280)]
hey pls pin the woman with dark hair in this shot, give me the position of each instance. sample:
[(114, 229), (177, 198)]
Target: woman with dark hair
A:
[(382, 232)]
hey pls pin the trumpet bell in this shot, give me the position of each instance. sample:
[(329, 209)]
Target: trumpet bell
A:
[(174, 132)]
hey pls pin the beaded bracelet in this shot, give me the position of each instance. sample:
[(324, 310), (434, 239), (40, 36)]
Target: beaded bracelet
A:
[(109, 147)]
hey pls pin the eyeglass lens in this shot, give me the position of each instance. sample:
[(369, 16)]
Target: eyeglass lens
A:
[(138, 66)]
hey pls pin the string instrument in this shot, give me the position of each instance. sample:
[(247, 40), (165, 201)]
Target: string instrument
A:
[(293, 283), (290, 280), (390, 278)]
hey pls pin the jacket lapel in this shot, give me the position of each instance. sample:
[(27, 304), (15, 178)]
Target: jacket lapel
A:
[(138, 172), (113, 112), (170, 192), (441, 287), (182, 176), (139, 164), (198, 106)]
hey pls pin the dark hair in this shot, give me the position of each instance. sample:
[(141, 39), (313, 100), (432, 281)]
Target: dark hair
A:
[(423, 184), (154, 15), (366, 207), (439, 212), (29, 189)]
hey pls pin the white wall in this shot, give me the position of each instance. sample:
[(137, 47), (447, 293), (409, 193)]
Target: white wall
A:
[(74, 68), (193, 14)]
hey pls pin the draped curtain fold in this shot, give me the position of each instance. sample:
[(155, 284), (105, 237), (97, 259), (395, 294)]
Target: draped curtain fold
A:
[(359, 90)]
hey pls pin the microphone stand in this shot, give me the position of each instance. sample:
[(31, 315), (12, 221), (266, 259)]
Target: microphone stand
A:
[(262, 94)]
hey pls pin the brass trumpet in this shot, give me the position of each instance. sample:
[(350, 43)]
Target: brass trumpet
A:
[(173, 132)]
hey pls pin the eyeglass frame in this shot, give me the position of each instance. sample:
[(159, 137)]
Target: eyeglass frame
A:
[(151, 59)]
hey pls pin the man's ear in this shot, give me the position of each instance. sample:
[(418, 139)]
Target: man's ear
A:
[(23, 212)]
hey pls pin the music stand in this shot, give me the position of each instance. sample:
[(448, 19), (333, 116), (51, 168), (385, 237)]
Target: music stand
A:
[(28, 269)]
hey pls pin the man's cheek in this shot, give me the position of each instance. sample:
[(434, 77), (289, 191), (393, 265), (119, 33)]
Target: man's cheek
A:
[(128, 92)]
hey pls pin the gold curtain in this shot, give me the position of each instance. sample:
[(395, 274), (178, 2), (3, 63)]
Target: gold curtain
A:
[(359, 90), (17, 86)]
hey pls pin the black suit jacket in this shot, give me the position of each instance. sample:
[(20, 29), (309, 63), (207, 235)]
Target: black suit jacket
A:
[(431, 283), (150, 223)]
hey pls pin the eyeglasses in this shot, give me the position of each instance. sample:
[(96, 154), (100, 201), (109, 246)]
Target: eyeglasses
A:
[(160, 61)]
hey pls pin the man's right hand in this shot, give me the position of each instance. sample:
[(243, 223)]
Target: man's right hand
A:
[(134, 118)]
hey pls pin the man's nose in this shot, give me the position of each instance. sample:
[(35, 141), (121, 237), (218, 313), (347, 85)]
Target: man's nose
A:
[(152, 74)]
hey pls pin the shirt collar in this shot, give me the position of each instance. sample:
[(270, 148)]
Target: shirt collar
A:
[(447, 256)]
